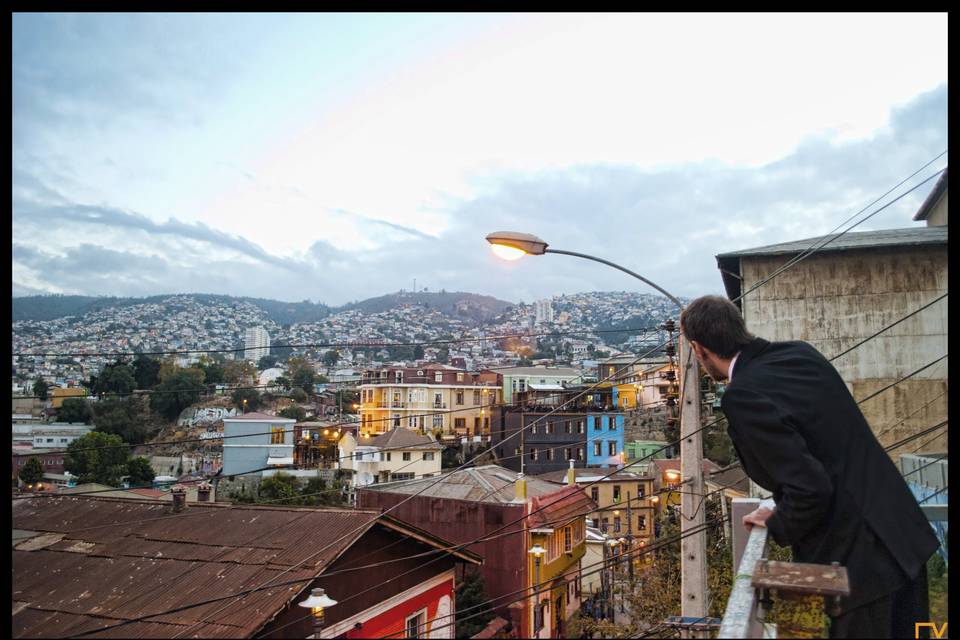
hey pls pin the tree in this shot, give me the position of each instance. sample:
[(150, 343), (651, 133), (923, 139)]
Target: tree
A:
[(74, 410), (298, 395), (266, 362), (116, 378), (418, 352), (472, 595), (331, 358), (302, 374), (41, 388), (97, 457), (146, 372), (32, 471), (178, 391), (294, 412), (250, 395), (239, 372), (140, 471), (280, 488), (283, 382), (122, 417), (213, 372), (443, 356)]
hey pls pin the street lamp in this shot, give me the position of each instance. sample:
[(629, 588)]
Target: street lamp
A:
[(537, 552), (512, 245), (317, 602)]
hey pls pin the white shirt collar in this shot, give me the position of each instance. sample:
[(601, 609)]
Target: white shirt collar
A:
[(733, 361)]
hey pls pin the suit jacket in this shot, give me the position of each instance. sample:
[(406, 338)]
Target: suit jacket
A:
[(800, 434)]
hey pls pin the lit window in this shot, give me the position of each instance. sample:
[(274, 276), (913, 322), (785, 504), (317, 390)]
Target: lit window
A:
[(459, 377), (596, 448), (612, 448), (438, 376), (616, 493), (276, 434)]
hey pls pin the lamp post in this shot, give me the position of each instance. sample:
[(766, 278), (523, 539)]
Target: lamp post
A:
[(511, 245), (317, 602), (610, 543), (537, 552)]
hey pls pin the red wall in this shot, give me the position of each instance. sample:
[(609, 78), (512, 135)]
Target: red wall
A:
[(392, 622)]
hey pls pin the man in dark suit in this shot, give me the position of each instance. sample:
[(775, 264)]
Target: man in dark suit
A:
[(839, 497)]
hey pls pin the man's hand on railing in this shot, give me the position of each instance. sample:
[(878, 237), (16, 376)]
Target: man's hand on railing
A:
[(757, 517)]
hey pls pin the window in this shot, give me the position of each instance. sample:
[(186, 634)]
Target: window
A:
[(460, 397), (580, 453), (402, 476), (388, 456), (523, 385), (406, 456), (476, 397), (596, 424), (604, 524), (460, 423), (49, 439), (533, 454), (276, 434), (568, 426), (642, 522), (640, 491), (438, 376), (459, 377), (548, 428), (399, 376), (437, 422), (595, 494), (567, 539), (616, 493), (568, 453), (613, 423), (550, 453), (533, 428), (396, 420), (579, 426), (428, 455), (616, 524), (438, 401), (612, 448), (416, 625), (596, 448), (63, 439)]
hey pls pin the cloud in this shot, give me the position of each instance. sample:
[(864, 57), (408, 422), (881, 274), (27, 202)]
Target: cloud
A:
[(667, 223)]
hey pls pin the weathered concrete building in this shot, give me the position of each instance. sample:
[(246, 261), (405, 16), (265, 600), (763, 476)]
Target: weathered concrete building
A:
[(849, 290)]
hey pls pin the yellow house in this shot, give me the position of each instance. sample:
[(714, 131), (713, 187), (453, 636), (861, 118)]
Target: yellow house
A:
[(59, 394), (626, 501), (557, 543)]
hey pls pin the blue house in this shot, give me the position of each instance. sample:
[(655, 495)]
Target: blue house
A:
[(604, 438)]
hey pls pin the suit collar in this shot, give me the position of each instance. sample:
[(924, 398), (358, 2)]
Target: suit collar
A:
[(749, 352)]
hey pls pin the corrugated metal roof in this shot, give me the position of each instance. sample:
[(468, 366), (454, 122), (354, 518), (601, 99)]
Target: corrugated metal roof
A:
[(487, 483), (851, 240), (932, 198), (558, 508), (140, 564)]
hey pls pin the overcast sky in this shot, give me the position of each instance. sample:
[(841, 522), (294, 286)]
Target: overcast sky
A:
[(338, 157)]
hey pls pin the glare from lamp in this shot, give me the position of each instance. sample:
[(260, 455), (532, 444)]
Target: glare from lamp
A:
[(507, 253)]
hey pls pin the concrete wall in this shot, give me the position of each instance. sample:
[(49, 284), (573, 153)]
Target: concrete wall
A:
[(835, 300), (938, 215)]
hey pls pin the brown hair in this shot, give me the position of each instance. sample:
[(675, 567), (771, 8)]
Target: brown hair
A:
[(715, 323)]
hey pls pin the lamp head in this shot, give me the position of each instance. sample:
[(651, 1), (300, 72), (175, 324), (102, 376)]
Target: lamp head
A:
[(537, 551), (512, 245), (317, 602)]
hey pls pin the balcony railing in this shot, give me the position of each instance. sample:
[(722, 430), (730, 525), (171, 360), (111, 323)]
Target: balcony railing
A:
[(741, 618)]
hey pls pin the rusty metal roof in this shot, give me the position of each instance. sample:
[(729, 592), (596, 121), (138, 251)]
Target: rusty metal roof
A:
[(487, 483), (76, 575), (556, 509)]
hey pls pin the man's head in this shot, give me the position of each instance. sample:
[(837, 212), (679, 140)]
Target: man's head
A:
[(716, 331)]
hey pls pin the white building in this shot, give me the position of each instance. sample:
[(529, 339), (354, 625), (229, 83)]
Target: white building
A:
[(256, 343), (399, 454), (543, 311)]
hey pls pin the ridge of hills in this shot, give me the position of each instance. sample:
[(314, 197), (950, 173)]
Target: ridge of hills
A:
[(458, 303)]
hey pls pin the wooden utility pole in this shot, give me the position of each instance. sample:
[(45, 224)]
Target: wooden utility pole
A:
[(693, 548)]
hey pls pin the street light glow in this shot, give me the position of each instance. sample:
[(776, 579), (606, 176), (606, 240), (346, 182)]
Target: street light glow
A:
[(507, 253)]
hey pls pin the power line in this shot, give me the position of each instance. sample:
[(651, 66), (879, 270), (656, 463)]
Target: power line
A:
[(934, 494), (889, 326), (911, 438)]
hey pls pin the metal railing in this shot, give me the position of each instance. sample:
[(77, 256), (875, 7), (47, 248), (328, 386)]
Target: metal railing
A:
[(741, 619)]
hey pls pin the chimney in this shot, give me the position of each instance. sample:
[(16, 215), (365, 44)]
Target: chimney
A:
[(571, 474), (521, 486), (179, 498), (203, 492)]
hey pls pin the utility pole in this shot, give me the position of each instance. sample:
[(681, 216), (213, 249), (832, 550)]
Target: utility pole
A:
[(630, 539), (693, 548)]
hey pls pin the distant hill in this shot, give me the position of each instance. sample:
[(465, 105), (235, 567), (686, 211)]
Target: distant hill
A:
[(450, 303), (51, 307), (454, 304)]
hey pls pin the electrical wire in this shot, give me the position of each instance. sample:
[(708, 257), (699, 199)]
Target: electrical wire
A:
[(934, 494), (911, 438), (889, 326)]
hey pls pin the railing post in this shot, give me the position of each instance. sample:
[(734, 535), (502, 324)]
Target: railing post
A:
[(740, 508)]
